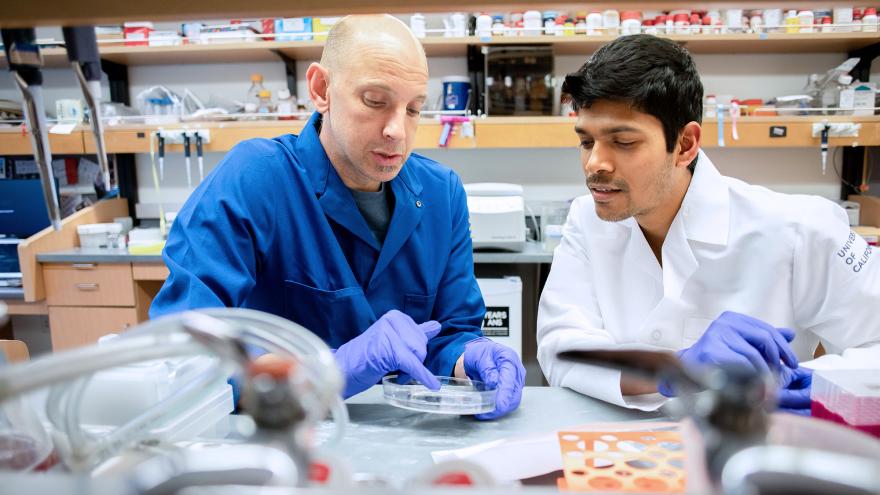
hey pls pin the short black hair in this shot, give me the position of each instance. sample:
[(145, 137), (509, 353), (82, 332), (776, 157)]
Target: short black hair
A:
[(654, 75)]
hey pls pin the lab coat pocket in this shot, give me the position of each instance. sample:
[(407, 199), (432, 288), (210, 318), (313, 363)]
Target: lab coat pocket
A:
[(333, 315), (419, 307), (694, 328)]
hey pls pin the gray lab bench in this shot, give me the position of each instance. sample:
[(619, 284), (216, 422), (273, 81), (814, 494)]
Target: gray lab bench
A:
[(395, 443)]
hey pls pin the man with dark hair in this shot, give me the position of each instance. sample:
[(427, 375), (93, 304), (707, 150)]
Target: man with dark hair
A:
[(666, 253)]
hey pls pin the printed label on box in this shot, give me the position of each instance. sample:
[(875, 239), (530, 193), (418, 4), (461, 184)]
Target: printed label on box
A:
[(496, 322)]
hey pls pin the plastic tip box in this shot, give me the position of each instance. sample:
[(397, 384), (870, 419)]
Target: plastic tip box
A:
[(849, 397)]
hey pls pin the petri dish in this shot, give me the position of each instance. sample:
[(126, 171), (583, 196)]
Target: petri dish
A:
[(456, 396)]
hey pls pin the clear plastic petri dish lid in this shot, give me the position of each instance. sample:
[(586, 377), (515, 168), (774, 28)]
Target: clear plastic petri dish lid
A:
[(456, 396)]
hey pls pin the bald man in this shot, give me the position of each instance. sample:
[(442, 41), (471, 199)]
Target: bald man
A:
[(346, 232)]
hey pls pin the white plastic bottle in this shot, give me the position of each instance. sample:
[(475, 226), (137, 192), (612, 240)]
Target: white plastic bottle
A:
[(285, 105), (682, 24), (532, 25), (772, 20), (843, 17), (631, 22), (594, 24), (484, 26), (611, 22), (498, 26), (417, 25), (805, 21), (756, 22), (869, 20)]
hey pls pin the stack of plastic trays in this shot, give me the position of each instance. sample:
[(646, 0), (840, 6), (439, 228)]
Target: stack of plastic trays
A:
[(849, 397)]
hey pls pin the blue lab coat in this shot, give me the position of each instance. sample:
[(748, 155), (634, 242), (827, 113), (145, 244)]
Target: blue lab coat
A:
[(273, 228)]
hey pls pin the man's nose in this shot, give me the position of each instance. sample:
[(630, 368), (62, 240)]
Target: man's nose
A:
[(598, 160), (395, 127)]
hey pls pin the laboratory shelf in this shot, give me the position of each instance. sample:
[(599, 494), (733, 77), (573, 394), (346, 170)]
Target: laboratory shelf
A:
[(525, 132), (267, 51), (14, 140), (489, 133), (63, 12)]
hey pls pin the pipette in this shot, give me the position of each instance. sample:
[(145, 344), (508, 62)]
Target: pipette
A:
[(200, 156), (186, 154), (161, 139)]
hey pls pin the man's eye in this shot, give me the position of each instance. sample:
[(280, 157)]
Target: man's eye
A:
[(587, 145), (625, 144), (373, 103), (413, 111)]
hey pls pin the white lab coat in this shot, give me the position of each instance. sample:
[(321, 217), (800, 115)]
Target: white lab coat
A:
[(790, 260)]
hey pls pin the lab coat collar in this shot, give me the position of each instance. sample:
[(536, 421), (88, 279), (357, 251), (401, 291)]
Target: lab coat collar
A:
[(338, 203), (333, 195), (705, 211), (408, 210)]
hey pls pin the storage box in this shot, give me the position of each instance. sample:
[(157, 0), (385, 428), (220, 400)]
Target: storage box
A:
[(323, 25), (137, 33), (869, 213), (849, 397), (503, 320), (293, 29), (164, 38), (100, 235)]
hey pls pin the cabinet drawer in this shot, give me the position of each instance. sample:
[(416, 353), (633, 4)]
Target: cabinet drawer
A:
[(74, 327), (88, 284)]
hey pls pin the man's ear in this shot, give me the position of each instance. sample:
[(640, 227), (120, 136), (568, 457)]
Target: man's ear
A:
[(318, 80), (688, 144)]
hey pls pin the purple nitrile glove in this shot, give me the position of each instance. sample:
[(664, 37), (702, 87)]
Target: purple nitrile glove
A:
[(498, 366), (393, 342), (794, 390), (735, 339)]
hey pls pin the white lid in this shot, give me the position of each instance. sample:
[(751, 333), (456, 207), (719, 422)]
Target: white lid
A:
[(845, 79), (138, 25), (283, 93), (456, 79), (99, 228), (493, 189)]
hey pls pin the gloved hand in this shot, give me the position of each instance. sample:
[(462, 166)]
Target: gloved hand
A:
[(794, 390), (735, 339), (393, 342), (498, 366)]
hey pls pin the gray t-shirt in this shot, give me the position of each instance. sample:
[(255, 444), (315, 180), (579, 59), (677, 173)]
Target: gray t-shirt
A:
[(376, 207)]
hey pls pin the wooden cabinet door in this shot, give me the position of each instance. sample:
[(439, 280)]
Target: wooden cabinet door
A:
[(73, 327)]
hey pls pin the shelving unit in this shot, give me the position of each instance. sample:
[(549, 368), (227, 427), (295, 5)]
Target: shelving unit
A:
[(490, 132), (61, 12), (267, 51)]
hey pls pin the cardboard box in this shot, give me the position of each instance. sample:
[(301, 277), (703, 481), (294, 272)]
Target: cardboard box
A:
[(323, 25), (870, 205), (137, 33), (503, 319), (293, 29)]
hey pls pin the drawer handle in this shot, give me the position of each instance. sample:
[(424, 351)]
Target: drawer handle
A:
[(84, 266), (86, 286)]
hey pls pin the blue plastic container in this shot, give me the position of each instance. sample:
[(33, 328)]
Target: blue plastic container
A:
[(456, 90)]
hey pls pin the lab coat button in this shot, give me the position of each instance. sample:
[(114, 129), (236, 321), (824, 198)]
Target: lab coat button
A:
[(418, 203), (655, 335)]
